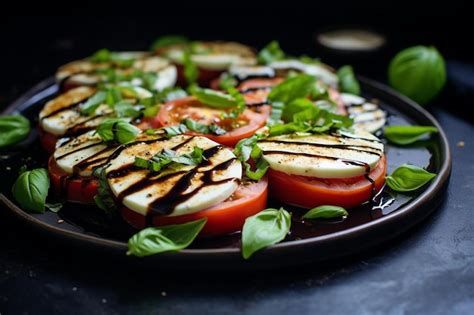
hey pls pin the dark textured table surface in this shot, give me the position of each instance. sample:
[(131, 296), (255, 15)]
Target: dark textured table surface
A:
[(429, 270)]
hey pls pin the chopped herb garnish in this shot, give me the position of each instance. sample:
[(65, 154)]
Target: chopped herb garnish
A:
[(170, 160), (271, 52)]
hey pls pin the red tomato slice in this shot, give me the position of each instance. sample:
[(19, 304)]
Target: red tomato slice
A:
[(224, 218), (310, 192), (172, 113), (72, 188), (256, 90)]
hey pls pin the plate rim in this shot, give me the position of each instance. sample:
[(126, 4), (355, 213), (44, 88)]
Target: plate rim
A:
[(425, 197)]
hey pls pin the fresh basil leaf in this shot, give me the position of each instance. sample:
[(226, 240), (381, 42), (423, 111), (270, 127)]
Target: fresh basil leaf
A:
[(13, 129), (276, 113), (196, 126), (116, 129), (227, 81), (125, 109), (271, 52), (407, 134), (113, 95), (168, 40), (347, 80), (102, 55), (326, 212), (261, 168), (104, 199), (418, 72), (214, 98), (216, 130), (175, 130), (31, 189), (295, 106), (169, 238), (172, 93), (90, 106), (266, 228), (190, 69), (408, 178), (54, 207), (310, 115), (299, 86), (244, 148), (282, 129)]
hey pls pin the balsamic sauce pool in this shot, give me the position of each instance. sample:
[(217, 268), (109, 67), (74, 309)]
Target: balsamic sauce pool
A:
[(93, 221)]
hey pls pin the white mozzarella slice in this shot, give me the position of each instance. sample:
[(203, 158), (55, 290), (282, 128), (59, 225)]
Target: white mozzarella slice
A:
[(82, 72), (319, 71), (216, 56), (166, 78), (81, 154), (200, 194), (340, 155), (367, 116), (244, 72)]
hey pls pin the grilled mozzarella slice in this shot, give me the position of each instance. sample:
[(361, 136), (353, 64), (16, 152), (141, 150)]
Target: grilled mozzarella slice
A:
[(247, 72), (367, 116), (188, 189), (339, 155), (80, 155), (213, 55), (322, 72), (61, 115), (84, 72)]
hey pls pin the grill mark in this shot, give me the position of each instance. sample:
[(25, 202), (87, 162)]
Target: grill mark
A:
[(335, 146), (75, 104), (82, 123), (90, 161), (254, 89), (79, 149), (337, 135), (174, 196)]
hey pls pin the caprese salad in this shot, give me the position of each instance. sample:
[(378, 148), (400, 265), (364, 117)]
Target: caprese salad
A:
[(194, 139)]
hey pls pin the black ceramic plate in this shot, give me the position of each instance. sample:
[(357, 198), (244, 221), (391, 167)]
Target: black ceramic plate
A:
[(366, 226)]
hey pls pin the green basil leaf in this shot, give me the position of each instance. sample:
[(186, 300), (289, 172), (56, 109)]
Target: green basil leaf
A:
[(54, 207), (299, 86), (116, 129), (31, 189), (244, 148), (240, 103), (271, 52), (407, 134), (266, 228), (418, 72), (216, 130), (296, 106), (276, 113), (281, 129), (125, 109), (102, 55), (261, 168), (326, 212), (226, 81), (90, 106), (104, 199), (13, 129), (190, 69), (347, 80), (196, 126), (408, 178), (214, 98), (175, 130), (168, 40), (169, 238)]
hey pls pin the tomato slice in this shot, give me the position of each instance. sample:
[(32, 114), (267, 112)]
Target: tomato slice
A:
[(71, 187), (172, 113), (310, 192), (224, 218), (255, 91)]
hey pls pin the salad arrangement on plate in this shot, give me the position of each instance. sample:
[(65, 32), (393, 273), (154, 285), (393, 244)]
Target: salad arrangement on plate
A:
[(196, 139)]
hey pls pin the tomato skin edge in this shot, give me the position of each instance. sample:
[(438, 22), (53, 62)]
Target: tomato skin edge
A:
[(293, 190), (222, 219)]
